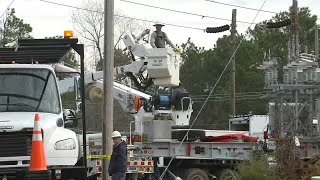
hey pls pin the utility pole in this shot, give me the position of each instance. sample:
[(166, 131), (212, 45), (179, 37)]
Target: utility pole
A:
[(233, 66), (295, 53), (107, 86), (295, 27), (316, 41)]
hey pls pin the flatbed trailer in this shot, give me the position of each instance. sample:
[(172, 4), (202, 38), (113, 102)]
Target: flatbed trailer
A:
[(229, 151), (147, 160)]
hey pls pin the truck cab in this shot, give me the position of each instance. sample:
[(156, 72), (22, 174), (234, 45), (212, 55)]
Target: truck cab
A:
[(28, 87), (27, 90), (253, 125)]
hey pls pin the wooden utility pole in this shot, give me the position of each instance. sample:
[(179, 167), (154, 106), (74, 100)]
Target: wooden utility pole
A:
[(316, 41), (233, 57), (107, 86), (295, 27)]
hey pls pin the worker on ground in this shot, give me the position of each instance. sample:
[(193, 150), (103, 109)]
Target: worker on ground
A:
[(178, 93), (160, 38), (118, 162)]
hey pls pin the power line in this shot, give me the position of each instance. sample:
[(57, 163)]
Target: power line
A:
[(7, 9), (243, 7), (183, 12), (224, 97), (224, 94), (227, 99), (75, 7)]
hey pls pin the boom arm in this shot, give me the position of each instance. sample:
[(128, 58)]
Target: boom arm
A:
[(162, 68), (93, 81)]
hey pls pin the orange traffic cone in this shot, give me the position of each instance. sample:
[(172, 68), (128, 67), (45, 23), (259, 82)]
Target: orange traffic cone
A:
[(37, 159)]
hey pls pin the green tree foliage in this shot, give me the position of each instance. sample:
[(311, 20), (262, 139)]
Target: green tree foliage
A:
[(13, 28), (200, 72)]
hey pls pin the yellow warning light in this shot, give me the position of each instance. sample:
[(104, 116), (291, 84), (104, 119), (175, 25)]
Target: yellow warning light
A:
[(68, 34)]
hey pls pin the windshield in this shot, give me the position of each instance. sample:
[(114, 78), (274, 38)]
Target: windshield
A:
[(28, 90)]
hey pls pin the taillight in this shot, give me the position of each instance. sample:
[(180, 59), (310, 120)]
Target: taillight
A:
[(265, 134)]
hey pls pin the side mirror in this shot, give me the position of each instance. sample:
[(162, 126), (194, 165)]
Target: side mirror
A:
[(77, 93), (77, 89), (69, 117)]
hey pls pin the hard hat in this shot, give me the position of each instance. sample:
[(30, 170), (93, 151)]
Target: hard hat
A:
[(115, 134), (158, 23)]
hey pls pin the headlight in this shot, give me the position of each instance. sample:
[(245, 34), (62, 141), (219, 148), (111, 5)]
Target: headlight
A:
[(67, 144)]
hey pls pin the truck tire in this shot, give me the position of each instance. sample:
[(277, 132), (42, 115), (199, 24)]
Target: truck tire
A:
[(195, 174), (229, 174)]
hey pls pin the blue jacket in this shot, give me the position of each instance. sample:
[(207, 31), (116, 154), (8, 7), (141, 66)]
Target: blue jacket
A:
[(118, 162)]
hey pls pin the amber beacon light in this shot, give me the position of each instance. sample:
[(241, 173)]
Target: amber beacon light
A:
[(68, 34)]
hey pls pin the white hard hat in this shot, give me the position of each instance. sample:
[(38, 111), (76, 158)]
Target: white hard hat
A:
[(158, 23), (115, 134)]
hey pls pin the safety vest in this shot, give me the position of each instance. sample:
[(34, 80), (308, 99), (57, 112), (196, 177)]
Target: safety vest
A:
[(160, 40)]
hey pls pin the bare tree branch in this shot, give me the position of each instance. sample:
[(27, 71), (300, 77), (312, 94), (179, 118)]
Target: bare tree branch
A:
[(90, 26)]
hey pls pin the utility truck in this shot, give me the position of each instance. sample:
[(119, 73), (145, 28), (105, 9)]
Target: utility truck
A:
[(161, 141), (159, 138)]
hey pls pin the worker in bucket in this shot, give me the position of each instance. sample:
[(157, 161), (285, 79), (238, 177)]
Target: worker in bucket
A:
[(118, 162), (178, 93), (159, 38)]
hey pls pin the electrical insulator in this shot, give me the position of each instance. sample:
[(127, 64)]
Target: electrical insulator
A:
[(279, 24), (217, 29)]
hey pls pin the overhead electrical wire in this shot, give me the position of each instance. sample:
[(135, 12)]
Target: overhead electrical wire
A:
[(75, 7), (6, 9), (243, 7), (227, 99), (227, 95), (233, 54), (183, 12), (224, 94)]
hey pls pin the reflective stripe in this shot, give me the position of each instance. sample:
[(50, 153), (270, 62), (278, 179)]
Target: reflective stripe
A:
[(99, 156), (140, 163), (36, 132), (36, 137), (36, 126)]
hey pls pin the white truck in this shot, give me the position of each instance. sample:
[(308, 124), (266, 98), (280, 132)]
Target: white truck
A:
[(29, 86), (253, 125), (179, 151)]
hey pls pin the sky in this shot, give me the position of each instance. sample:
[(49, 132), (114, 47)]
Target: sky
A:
[(50, 19)]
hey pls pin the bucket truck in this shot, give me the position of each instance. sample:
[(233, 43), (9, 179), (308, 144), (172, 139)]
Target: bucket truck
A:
[(29, 85), (155, 140)]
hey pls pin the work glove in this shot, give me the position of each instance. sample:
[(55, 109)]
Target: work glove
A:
[(177, 50)]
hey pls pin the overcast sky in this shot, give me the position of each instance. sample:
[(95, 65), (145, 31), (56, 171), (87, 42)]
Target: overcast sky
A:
[(49, 19)]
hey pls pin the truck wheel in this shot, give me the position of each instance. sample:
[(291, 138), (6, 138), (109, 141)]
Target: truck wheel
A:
[(195, 174), (228, 174)]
